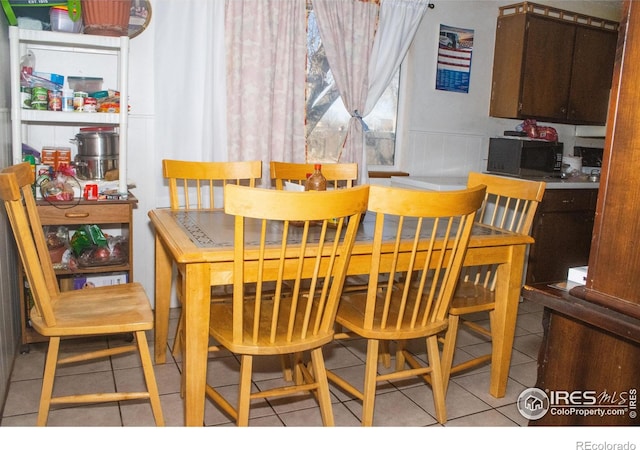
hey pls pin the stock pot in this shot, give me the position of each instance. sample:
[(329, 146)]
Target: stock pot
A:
[(97, 143), (97, 153)]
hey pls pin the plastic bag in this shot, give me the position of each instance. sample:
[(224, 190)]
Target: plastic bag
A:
[(534, 131), (56, 190)]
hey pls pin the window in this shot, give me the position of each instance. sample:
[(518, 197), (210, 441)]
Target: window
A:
[(327, 118)]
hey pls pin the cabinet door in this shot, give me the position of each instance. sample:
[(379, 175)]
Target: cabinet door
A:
[(593, 59), (562, 230), (507, 66), (547, 69), (563, 240)]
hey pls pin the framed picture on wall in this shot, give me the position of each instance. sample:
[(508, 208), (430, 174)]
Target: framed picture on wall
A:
[(455, 46)]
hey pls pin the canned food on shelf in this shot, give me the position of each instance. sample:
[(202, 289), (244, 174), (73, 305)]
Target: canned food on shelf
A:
[(39, 98)]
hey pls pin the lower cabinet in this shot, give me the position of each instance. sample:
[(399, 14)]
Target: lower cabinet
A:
[(115, 218), (562, 230)]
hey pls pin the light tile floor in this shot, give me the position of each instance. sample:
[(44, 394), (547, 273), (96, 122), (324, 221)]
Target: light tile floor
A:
[(408, 403)]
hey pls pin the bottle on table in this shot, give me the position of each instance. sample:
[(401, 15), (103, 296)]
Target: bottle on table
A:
[(317, 181)]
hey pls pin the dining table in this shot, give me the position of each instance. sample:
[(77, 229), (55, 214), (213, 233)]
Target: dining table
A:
[(200, 244)]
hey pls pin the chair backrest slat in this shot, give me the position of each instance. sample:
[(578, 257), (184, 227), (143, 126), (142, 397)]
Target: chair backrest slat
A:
[(428, 232), (199, 180), (509, 204), (297, 249), (15, 191), (338, 175)]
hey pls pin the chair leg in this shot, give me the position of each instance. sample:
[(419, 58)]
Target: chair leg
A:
[(385, 354), (449, 349), (324, 398), (287, 367), (150, 378), (48, 379), (295, 361), (400, 359), (244, 390), (370, 381), (437, 382)]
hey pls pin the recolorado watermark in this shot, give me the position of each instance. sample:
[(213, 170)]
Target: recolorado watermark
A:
[(589, 445), (534, 403)]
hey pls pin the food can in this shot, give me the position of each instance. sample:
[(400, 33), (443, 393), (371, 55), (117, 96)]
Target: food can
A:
[(78, 100), (55, 100), (39, 98), (90, 104), (25, 97)]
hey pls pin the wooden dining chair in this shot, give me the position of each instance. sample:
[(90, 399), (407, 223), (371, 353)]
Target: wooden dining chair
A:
[(109, 310), (509, 204), (338, 175), (312, 259), (196, 185), (193, 184), (408, 304)]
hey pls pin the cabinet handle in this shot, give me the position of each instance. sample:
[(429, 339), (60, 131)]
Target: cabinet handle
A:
[(76, 215), (568, 201)]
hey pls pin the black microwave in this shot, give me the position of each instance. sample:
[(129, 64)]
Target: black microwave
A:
[(524, 157)]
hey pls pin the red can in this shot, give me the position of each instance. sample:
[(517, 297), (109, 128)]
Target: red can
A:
[(55, 100), (90, 104), (90, 192)]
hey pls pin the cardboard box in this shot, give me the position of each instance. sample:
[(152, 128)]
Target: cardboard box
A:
[(56, 156), (91, 281), (578, 275)]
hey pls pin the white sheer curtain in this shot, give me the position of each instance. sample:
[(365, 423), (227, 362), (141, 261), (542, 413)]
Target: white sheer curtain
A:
[(266, 44), (189, 76), (363, 59), (399, 21)]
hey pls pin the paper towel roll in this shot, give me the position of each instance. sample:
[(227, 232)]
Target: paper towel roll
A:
[(575, 163)]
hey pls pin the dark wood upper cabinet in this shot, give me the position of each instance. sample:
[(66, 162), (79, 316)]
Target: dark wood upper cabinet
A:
[(552, 65), (593, 59)]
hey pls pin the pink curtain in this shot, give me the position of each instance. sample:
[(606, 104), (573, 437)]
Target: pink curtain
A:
[(266, 56), (348, 29)]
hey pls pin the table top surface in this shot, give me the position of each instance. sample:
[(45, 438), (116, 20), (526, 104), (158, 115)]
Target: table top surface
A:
[(200, 234)]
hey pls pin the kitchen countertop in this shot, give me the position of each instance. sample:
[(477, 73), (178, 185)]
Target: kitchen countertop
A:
[(430, 183), (570, 183), (435, 183)]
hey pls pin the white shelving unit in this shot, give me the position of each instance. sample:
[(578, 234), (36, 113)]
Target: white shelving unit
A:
[(21, 40)]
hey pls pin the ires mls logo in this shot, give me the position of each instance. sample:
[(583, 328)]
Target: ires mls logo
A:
[(534, 403)]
